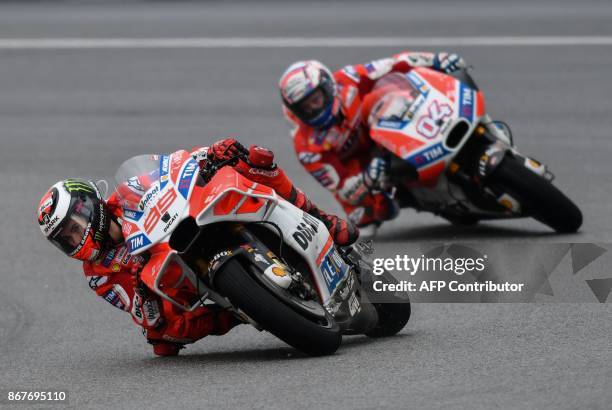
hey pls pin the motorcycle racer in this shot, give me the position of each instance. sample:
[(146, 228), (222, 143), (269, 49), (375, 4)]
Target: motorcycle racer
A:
[(329, 112), (74, 217)]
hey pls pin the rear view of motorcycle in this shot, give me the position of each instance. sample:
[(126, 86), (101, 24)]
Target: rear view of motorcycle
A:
[(460, 163), (240, 246)]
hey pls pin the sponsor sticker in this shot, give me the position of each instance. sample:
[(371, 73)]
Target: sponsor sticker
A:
[(51, 223), (133, 215), (392, 124), (46, 207), (108, 258), (327, 176), (309, 157), (306, 231), (466, 102), (150, 195), (186, 177), (114, 299), (164, 166), (428, 155), (418, 82), (137, 242), (96, 281), (334, 269)]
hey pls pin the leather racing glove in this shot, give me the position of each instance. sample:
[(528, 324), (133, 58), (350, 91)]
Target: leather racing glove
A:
[(226, 150), (448, 63)]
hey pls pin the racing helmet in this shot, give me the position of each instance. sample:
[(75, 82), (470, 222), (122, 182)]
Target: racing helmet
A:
[(75, 218), (308, 91)]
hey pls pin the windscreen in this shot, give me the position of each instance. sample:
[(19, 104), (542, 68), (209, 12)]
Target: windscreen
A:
[(136, 176)]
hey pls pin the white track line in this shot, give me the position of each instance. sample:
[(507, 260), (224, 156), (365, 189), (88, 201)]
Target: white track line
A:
[(289, 42)]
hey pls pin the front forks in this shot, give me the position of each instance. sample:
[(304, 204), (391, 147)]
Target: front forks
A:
[(484, 154)]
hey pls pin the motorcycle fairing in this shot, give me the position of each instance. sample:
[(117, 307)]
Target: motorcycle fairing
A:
[(163, 205), (421, 136), (170, 283), (227, 197), (311, 239)]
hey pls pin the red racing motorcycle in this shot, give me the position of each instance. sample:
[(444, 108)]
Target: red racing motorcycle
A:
[(450, 158), (216, 237)]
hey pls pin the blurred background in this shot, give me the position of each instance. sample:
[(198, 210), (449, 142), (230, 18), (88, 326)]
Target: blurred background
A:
[(80, 110)]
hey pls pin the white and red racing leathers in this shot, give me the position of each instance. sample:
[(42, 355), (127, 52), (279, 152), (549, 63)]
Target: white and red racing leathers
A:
[(338, 156), (113, 275)]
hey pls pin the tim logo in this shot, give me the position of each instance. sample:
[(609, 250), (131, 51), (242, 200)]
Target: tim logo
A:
[(433, 153), (428, 156), (137, 242), (466, 104)]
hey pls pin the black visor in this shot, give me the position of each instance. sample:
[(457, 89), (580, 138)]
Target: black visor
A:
[(72, 232)]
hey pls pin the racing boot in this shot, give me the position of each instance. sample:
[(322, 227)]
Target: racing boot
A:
[(163, 348), (262, 169), (370, 215)]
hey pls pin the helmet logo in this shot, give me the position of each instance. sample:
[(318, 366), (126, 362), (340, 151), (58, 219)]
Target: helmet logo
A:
[(73, 186), (50, 224), (299, 81), (296, 89), (46, 208)]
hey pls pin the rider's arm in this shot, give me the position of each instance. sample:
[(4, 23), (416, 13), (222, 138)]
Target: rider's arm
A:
[(324, 166), (343, 178), (365, 75), (116, 289)]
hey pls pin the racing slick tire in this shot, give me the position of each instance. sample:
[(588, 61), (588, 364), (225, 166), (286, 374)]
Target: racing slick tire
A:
[(539, 198), (392, 317), (302, 332)]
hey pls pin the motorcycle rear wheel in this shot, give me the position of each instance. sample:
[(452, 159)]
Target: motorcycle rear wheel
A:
[(539, 198), (392, 317), (275, 316)]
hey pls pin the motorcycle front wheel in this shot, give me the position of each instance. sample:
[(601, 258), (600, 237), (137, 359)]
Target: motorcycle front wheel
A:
[(315, 337), (538, 197)]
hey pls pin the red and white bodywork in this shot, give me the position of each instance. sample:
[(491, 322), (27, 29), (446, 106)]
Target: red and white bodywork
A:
[(152, 213), (425, 118)]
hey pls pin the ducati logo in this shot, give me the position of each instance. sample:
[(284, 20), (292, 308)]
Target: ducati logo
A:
[(306, 231)]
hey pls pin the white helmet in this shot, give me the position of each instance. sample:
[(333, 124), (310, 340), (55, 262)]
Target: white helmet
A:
[(308, 90), (75, 218)]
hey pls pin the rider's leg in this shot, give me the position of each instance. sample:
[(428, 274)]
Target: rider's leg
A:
[(264, 171), (371, 212)]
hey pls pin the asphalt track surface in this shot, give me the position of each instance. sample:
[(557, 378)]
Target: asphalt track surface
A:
[(82, 112)]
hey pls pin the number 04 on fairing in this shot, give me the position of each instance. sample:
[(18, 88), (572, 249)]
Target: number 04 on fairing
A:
[(448, 157)]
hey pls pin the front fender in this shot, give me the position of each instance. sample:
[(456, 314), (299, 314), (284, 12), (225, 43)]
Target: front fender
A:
[(490, 159)]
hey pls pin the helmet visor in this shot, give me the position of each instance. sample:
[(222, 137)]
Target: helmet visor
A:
[(71, 234), (315, 105)]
